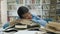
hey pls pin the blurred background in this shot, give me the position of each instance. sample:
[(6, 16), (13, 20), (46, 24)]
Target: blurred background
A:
[(46, 9)]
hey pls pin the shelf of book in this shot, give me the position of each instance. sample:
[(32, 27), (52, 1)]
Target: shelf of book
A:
[(43, 7)]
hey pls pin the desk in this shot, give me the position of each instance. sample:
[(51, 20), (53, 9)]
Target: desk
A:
[(9, 32), (25, 32), (30, 32)]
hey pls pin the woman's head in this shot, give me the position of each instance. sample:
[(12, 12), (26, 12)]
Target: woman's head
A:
[(23, 12)]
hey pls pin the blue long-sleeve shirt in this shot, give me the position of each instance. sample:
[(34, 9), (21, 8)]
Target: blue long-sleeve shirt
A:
[(35, 18), (39, 20)]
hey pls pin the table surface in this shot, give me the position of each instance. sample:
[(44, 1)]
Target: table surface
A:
[(25, 32)]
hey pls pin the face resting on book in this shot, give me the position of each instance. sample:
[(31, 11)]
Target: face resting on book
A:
[(23, 13), (27, 16)]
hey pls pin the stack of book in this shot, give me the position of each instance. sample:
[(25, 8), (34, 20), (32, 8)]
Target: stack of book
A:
[(27, 24)]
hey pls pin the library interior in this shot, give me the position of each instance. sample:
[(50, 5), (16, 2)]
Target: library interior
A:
[(29, 16)]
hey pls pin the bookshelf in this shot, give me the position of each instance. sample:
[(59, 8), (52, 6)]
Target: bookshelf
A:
[(52, 13), (37, 7), (33, 5), (51, 9), (11, 10), (44, 8), (58, 10), (55, 10)]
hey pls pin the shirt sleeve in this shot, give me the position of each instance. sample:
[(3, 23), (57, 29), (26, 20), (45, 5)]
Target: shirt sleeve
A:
[(6, 25), (39, 21)]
